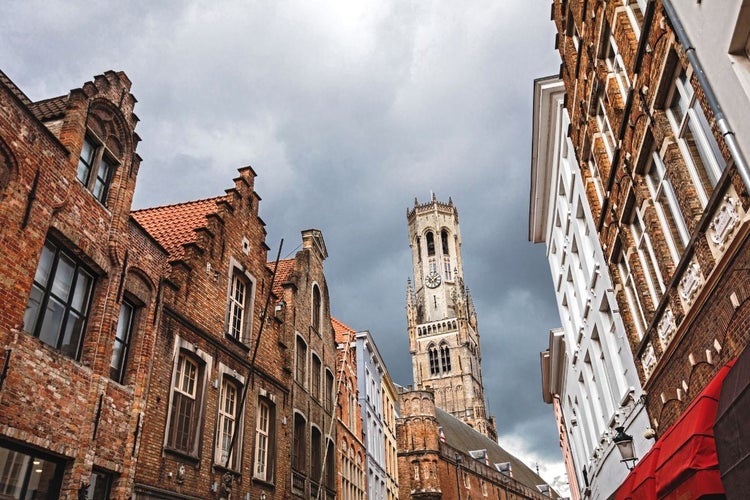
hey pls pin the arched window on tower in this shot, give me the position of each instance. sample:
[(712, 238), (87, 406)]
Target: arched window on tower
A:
[(430, 243), (444, 241), (434, 361), (419, 247), (445, 357)]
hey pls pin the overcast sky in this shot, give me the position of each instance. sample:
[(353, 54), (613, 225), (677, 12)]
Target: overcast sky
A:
[(347, 110)]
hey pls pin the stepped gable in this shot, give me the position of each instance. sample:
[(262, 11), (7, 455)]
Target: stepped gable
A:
[(463, 437), (175, 226), (343, 333)]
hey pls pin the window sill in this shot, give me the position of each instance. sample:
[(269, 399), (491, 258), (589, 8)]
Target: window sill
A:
[(236, 342), (224, 470), (266, 484), (182, 454)]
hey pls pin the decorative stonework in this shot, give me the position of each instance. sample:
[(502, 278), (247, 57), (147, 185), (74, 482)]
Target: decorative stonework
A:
[(666, 327), (690, 282), (648, 360), (724, 222)]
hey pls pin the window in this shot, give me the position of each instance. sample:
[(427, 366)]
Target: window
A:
[(418, 242), (330, 479), (264, 440), (614, 61), (444, 241), (28, 475), (59, 301), (227, 426), (301, 368), (329, 390), (665, 201), (634, 303), (239, 295), (316, 305), (95, 169), (298, 446), (445, 358), (100, 485), (121, 346), (647, 258), (605, 129), (434, 361), (316, 455), (315, 377), (185, 393), (697, 142), (430, 244), (447, 268)]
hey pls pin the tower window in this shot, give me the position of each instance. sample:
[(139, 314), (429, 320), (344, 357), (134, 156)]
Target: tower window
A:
[(434, 360), (444, 241), (419, 248), (95, 169), (430, 243), (445, 357)]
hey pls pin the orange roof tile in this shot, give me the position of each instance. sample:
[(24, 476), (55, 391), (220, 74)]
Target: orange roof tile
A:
[(174, 225), (343, 332), (286, 266)]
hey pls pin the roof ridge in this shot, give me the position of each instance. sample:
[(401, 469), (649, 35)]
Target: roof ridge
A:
[(182, 203)]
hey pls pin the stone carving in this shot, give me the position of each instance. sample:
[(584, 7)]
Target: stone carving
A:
[(691, 281), (724, 222), (666, 327), (648, 360)]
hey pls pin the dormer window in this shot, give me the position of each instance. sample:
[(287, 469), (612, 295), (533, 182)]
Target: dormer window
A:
[(95, 169)]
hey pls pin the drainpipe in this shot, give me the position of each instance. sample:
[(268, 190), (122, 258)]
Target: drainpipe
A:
[(713, 103)]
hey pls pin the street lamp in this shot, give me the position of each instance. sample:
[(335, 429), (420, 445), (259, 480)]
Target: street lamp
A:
[(624, 444)]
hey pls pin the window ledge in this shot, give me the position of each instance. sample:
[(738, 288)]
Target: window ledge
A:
[(187, 456), (236, 342), (264, 483)]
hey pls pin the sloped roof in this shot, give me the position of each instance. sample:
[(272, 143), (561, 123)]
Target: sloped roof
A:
[(49, 109), (343, 333), (464, 438), (286, 267), (175, 225), (14, 89)]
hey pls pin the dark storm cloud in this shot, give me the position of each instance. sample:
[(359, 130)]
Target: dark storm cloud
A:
[(347, 111)]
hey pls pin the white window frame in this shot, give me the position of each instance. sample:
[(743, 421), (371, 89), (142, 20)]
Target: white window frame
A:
[(647, 258), (227, 424), (665, 201), (693, 122), (631, 294), (605, 129)]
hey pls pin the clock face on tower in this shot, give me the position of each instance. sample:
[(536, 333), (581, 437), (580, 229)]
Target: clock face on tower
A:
[(432, 280)]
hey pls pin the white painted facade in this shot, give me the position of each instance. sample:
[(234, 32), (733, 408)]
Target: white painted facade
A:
[(598, 386)]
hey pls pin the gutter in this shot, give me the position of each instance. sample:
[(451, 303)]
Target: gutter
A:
[(713, 103)]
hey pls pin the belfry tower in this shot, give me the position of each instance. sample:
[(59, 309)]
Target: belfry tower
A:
[(441, 320)]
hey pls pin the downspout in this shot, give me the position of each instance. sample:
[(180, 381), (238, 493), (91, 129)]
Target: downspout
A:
[(713, 103)]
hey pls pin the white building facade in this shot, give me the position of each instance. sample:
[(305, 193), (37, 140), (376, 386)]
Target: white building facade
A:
[(597, 387), (371, 372)]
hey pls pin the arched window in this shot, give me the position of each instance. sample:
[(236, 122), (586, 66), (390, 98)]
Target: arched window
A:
[(445, 357), (419, 247), (316, 304), (430, 243), (434, 363), (444, 241)]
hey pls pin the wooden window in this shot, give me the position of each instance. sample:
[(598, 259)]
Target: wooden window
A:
[(298, 445), (183, 426), (329, 396), (301, 364), (315, 374), (95, 169), (239, 296), (226, 451), (123, 336), (264, 440), (316, 307)]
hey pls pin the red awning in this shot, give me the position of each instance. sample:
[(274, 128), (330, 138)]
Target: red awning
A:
[(688, 466), (682, 463)]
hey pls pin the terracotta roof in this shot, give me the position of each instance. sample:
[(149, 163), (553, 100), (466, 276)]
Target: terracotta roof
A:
[(286, 266), (343, 333), (49, 109), (174, 225), (464, 438)]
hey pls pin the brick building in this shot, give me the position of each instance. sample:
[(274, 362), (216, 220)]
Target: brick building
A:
[(79, 283), (307, 333), (351, 446), (659, 130), (219, 390), (441, 457)]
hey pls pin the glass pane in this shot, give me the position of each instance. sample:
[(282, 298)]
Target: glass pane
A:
[(32, 309), (53, 317), (73, 334), (85, 161), (45, 264), (81, 292), (63, 277), (99, 486), (123, 322), (699, 160), (42, 479), (116, 362), (13, 466), (678, 106)]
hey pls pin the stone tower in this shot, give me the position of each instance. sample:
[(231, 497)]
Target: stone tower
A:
[(441, 320)]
